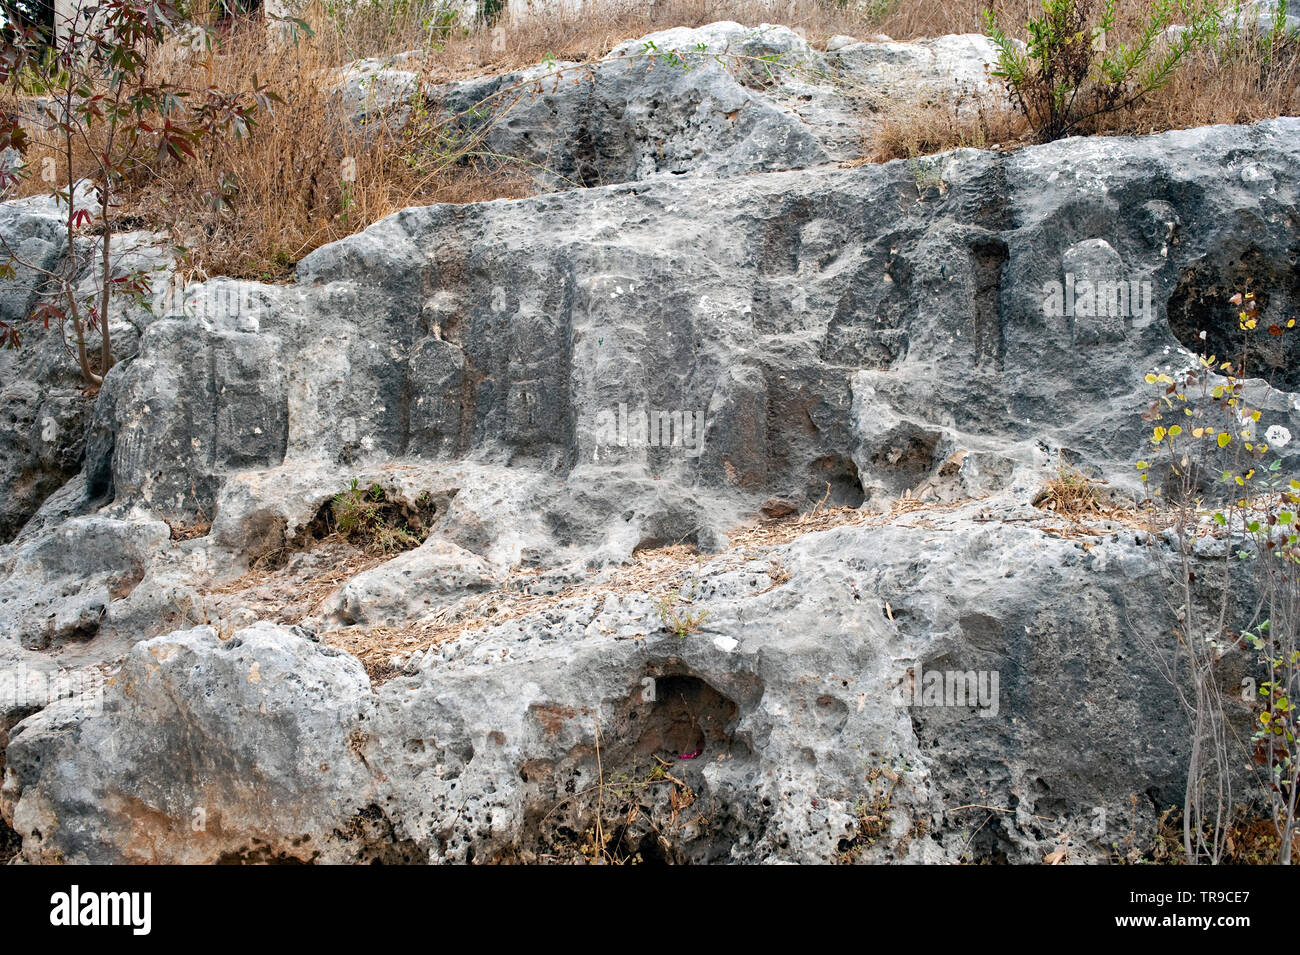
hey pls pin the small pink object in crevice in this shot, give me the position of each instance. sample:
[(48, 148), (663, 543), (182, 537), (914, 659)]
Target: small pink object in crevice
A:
[(690, 755)]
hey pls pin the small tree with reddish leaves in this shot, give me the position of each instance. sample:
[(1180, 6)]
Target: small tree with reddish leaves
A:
[(92, 99)]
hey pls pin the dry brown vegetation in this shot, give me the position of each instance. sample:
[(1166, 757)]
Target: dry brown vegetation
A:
[(662, 573), (1243, 80), (592, 31), (653, 574), (1252, 840), (307, 174), (929, 126), (1071, 494), (1238, 84)]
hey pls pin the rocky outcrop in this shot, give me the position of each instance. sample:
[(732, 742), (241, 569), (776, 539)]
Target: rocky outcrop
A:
[(716, 466), (47, 430), (720, 100), (249, 721), (42, 430), (776, 720)]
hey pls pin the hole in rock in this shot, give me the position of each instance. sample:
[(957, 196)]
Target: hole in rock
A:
[(688, 717), (988, 256), (257, 855), (1200, 303), (835, 477), (369, 517), (372, 516), (652, 851), (372, 839), (904, 458), (649, 804), (10, 842)]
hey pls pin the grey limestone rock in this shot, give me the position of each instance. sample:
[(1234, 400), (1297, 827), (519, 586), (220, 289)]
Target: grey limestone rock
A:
[(714, 468)]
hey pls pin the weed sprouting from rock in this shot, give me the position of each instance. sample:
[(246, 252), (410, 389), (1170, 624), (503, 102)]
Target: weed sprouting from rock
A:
[(367, 518), (874, 814), (677, 619)]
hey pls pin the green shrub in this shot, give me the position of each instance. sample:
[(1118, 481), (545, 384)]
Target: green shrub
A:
[(367, 518), (677, 620), (1068, 74)]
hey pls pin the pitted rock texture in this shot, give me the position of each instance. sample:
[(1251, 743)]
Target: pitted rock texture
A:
[(713, 464), (487, 752), (719, 100), (252, 719)]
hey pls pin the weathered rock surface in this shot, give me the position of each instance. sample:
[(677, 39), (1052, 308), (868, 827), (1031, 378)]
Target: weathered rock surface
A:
[(572, 386), (415, 584), (260, 729), (718, 100), (785, 695), (42, 429)]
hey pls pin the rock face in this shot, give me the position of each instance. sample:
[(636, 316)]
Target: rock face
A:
[(787, 696), (592, 398), (46, 430), (42, 430), (259, 726), (720, 100)]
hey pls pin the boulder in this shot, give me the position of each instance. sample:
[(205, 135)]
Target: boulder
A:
[(251, 756)]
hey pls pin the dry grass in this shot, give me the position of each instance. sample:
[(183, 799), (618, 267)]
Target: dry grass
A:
[(908, 130), (1245, 80), (1236, 85), (193, 530), (1252, 840), (651, 573), (589, 32), (1088, 509), (286, 594), (1242, 82), (654, 575), (308, 175), (531, 32), (1072, 495), (912, 19), (267, 588)]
